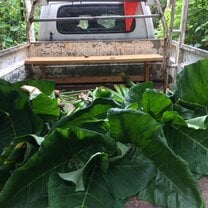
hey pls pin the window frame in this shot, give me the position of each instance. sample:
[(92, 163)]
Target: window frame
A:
[(88, 8)]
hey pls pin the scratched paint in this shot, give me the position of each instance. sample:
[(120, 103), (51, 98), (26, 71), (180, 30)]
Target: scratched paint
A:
[(13, 59), (92, 48)]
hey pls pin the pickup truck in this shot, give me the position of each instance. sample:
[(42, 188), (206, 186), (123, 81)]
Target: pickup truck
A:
[(95, 29), (18, 63)]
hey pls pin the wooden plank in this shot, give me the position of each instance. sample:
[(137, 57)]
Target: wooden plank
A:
[(93, 59), (95, 79), (146, 71)]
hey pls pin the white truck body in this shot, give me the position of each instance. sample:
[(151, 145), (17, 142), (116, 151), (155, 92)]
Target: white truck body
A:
[(142, 29)]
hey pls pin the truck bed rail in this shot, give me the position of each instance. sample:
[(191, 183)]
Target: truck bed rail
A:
[(146, 59)]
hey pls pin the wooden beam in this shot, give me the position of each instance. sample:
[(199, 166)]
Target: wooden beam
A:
[(93, 59)]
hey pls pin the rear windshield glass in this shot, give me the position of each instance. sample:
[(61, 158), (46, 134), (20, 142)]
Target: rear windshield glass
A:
[(91, 26)]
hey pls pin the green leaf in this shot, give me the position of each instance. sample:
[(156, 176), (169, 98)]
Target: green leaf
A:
[(14, 28), (97, 193), (192, 83), (172, 117), (45, 107), (155, 103), (77, 176), (191, 145), (45, 86), (130, 174), (31, 179), (14, 118), (189, 110), (15, 124), (173, 174), (135, 93), (96, 111)]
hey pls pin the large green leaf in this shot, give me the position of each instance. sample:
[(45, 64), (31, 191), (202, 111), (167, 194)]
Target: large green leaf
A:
[(29, 182), (189, 110), (155, 103), (97, 194), (96, 111), (45, 107), (78, 176), (192, 83), (45, 86), (172, 174), (14, 119), (130, 174), (135, 92), (191, 145)]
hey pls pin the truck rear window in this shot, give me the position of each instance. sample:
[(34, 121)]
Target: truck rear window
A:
[(91, 26)]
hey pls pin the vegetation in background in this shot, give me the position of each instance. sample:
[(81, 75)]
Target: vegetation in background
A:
[(12, 23), (197, 22), (114, 144)]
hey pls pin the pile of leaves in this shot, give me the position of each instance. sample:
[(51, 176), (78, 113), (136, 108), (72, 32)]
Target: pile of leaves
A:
[(114, 144)]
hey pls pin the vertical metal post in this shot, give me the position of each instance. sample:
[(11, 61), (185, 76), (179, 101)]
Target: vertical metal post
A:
[(179, 52)]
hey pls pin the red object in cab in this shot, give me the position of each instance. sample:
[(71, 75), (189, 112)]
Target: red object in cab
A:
[(130, 8)]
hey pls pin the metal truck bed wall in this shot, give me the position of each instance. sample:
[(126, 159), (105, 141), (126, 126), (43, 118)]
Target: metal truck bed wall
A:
[(12, 61), (93, 48)]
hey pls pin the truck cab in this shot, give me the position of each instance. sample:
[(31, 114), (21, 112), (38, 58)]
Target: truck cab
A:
[(104, 28)]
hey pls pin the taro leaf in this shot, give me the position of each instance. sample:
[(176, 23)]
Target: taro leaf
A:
[(97, 193), (29, 183), (155, 103), (191, 145), (192, 83), (13, 125), (45, 86), (172, 173), (122, 151), (78, 176), (14, 120), (16, 154), (96, 111), (130, 175), (172, 117), (184, 112), (189, 110), (99, 125), (45, 107), (135, 93), (8, 163), (16, 116)]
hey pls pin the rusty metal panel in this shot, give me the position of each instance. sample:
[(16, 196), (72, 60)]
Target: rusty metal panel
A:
[(92, 48), (13, 59)]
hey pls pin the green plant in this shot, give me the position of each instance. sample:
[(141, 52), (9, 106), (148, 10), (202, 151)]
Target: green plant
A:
[(125, 142), (197, 21), (12, 23)]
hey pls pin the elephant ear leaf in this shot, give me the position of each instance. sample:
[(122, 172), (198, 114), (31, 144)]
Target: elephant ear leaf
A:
[(29, 183), (15, 120), (96, 194), (77, 176), (143, 131), (192, 83)]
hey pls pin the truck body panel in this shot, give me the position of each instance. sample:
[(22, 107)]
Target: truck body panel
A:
[(142, 28)]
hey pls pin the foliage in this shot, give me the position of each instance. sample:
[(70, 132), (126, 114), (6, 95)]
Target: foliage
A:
[(197, 23), (12, 23), (115, 144)]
